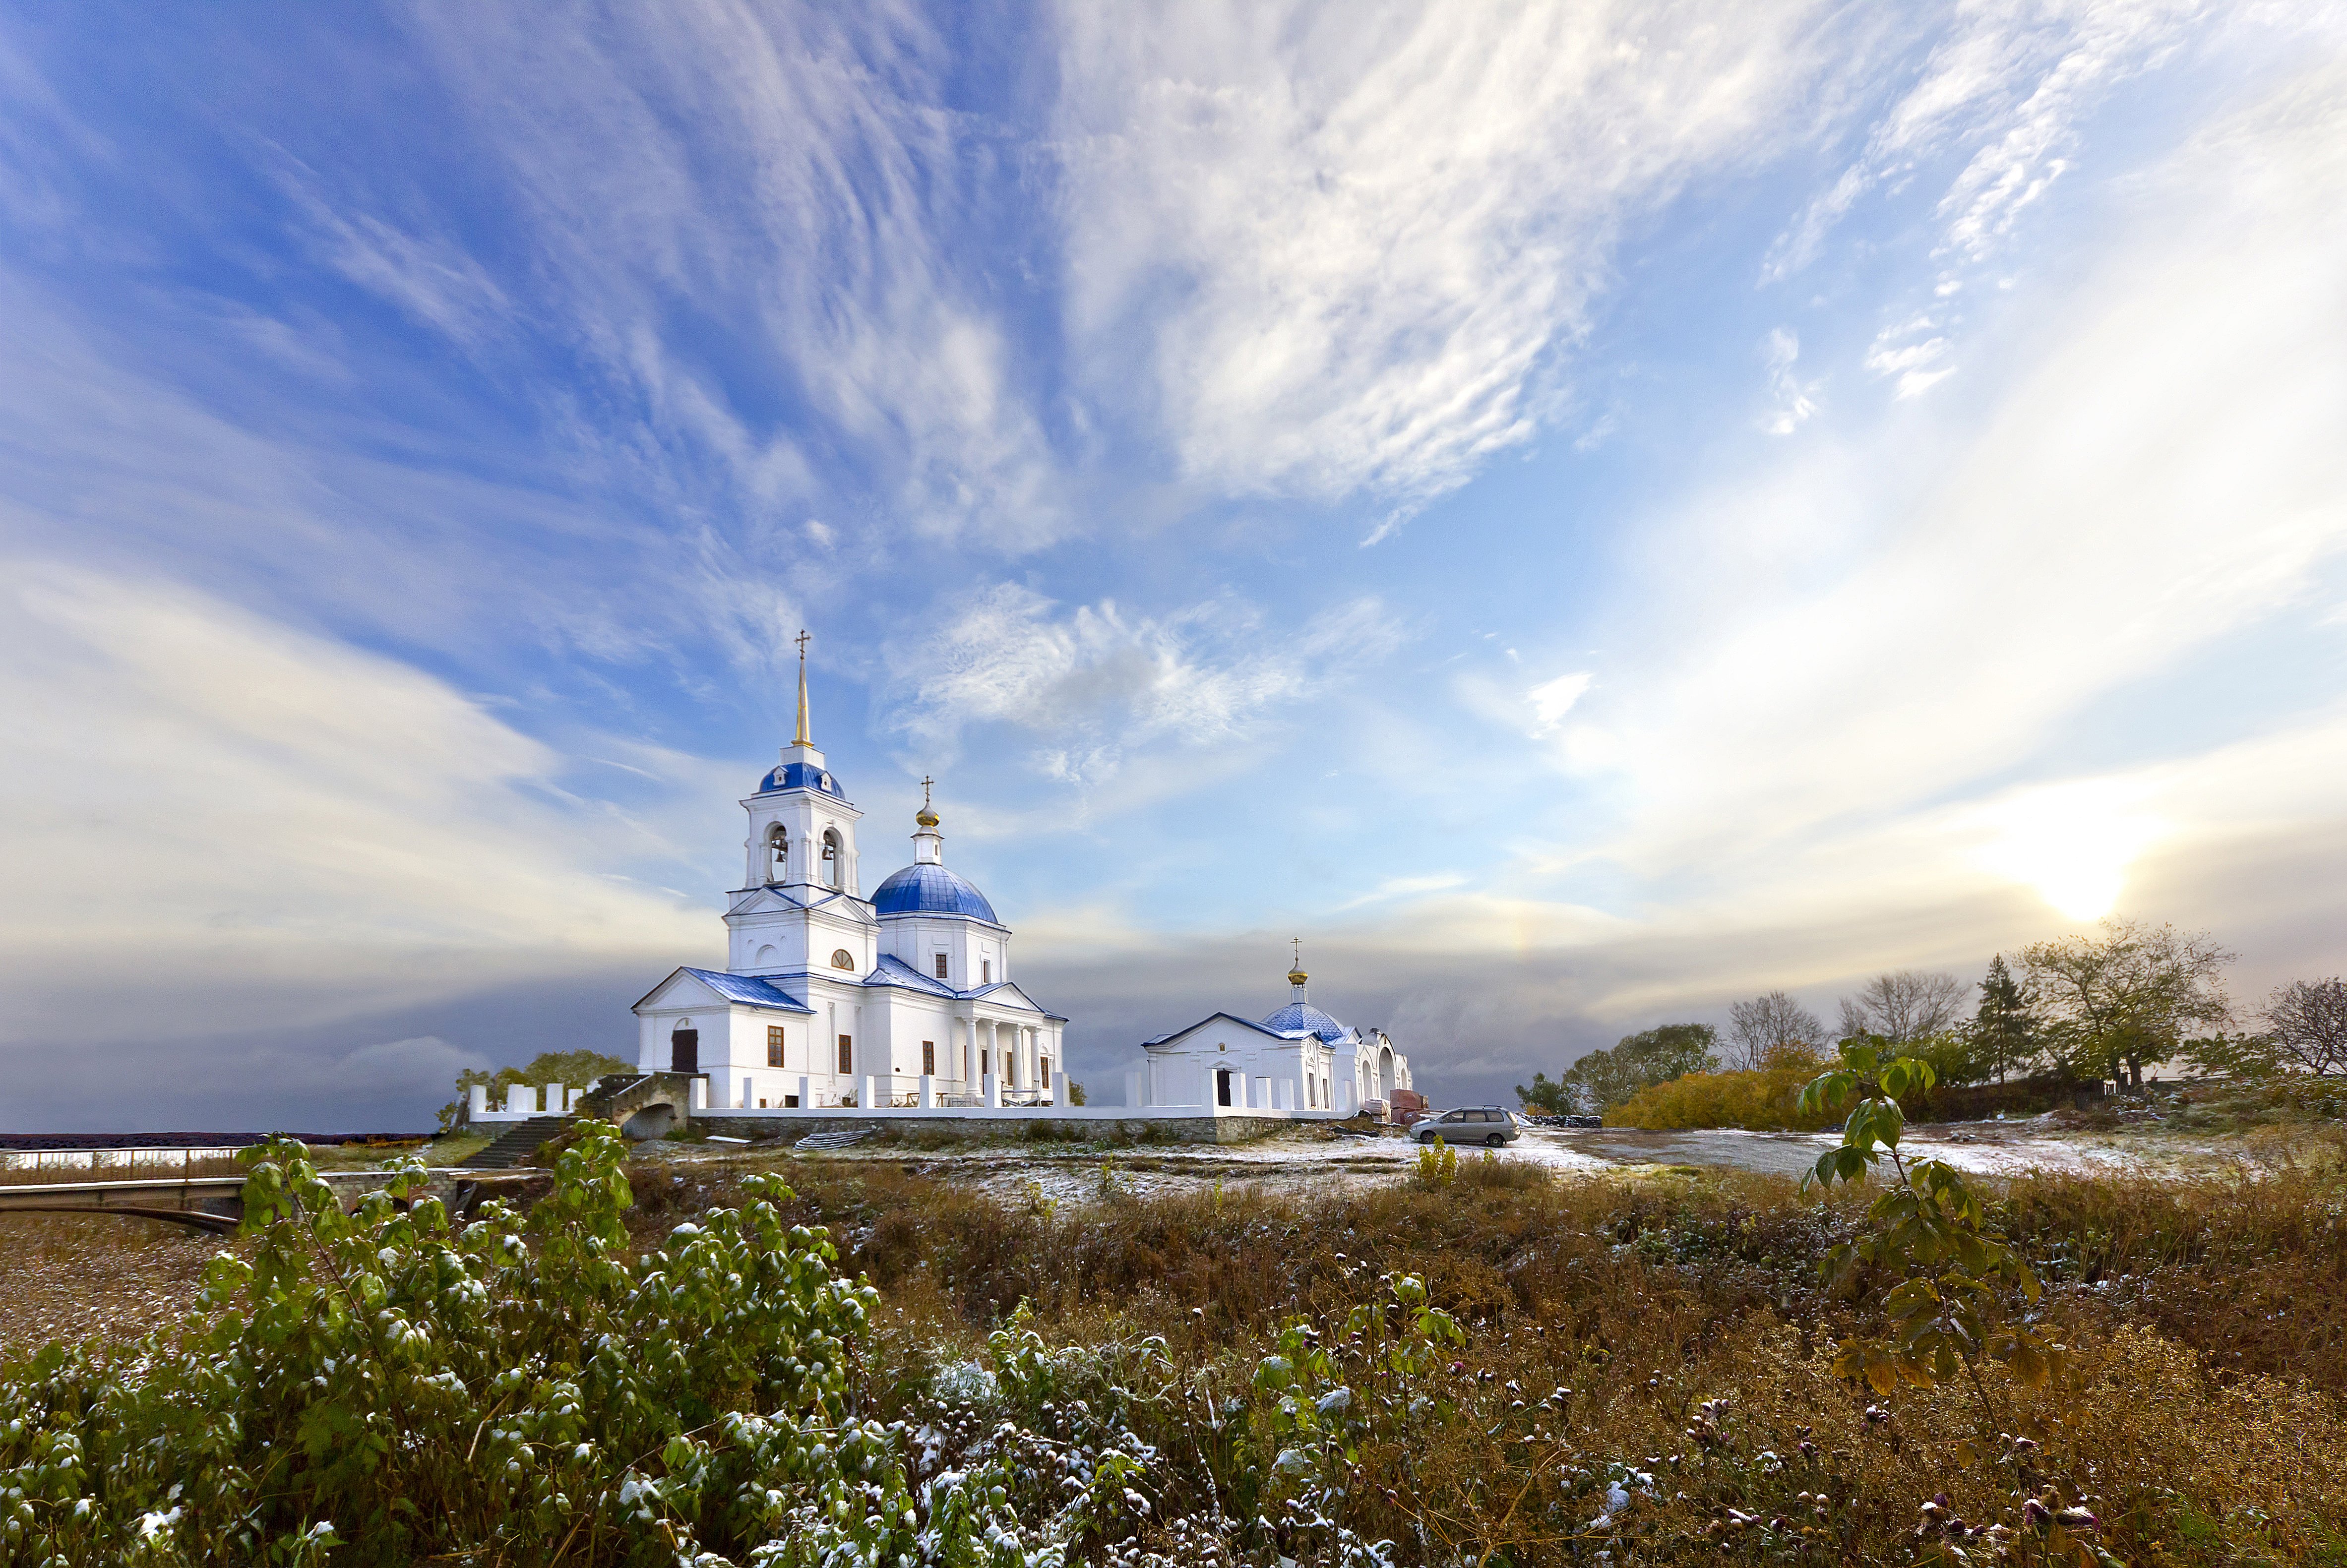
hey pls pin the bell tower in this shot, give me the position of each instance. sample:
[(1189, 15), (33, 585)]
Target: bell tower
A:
[(802, 824)]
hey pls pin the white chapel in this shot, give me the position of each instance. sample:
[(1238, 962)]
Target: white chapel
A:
[(1298, 1059), (831, 997)]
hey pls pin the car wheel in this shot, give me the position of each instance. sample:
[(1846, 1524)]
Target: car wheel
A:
[(1495, 1140)]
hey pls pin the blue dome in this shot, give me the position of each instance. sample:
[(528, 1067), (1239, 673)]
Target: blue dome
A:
[(802, 775), (1305, 1016), (930, 890)]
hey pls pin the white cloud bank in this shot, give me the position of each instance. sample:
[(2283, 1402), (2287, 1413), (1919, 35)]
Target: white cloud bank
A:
[(2160, 470), (245, 817)]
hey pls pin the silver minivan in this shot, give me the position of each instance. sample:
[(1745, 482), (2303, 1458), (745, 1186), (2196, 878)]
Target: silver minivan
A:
[(1491, 1125)]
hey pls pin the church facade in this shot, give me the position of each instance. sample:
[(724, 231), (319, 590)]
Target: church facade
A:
[(831, 997), (1297, 1059)]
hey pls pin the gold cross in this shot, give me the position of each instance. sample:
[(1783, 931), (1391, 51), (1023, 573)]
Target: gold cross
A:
[(803, 642)]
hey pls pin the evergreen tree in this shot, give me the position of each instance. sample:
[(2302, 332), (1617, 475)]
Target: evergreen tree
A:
[(2004, 1031)]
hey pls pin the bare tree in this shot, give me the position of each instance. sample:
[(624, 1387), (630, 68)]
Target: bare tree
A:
[(1768, 1024), (2308, 1021), (1903, 1005)]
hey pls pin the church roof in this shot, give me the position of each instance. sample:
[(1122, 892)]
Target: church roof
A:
[(802, 775), (930, 890), (747, 988), (892, 970), (1303, 1018)]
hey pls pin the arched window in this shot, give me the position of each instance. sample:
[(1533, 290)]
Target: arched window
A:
[(831, 858), (843, 959), (778, 854)]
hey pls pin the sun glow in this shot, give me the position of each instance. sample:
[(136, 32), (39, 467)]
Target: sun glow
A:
[(2071, 843)]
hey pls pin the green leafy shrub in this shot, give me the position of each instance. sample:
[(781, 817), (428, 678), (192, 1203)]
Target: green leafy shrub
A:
[(388, 1388)]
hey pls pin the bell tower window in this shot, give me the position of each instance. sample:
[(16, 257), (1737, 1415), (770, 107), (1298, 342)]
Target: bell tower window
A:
[(778, 854), (831, 871)]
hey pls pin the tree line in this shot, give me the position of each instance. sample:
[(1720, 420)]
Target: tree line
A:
[(2077, 1008)]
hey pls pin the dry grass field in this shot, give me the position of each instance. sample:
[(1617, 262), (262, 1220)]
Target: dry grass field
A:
[(1659, 1338)]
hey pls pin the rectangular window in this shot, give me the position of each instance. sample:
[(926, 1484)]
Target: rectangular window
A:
[(1042, 1070), (985, 973), (928, 1059), (985, 1062), (941, 967), (773, 1045), (846, 1054), (790, 1101), (761, 1105)]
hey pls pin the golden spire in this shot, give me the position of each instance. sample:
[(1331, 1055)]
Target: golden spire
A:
[(927, 816), (1295, 976), (804, 738)]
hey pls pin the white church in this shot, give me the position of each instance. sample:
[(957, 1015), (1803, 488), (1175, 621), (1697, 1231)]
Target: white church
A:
[(830, 997), (905, 999)]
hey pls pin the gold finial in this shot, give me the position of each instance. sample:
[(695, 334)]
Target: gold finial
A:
[(1295, 976), (803, 738), (926, 816)]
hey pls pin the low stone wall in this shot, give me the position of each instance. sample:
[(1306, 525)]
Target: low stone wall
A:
[(941, 1127)]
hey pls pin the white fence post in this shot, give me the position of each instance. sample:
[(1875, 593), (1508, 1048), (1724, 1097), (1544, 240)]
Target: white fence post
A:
[(480, 1106), (991, 1092), (929, 1091), (697, 1097), (1058, 1086), (1133, 1086)]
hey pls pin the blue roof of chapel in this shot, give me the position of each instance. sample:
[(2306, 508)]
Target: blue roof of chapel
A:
[(749, 989), (1303, 1018), (930, 889), (802, 775)]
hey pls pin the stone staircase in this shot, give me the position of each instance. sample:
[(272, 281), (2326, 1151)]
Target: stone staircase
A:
[(518, 1143), (839, 1138)]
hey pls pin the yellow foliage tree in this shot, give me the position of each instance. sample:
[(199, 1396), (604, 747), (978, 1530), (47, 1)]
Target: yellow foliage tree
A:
[(1764, 1099)]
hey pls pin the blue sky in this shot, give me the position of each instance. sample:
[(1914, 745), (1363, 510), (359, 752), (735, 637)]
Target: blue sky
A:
[(1584, 517)]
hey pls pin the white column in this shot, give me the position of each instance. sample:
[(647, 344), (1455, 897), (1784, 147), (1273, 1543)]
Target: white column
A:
[(990, 1091), (480, 1106), (522, 1097), (929, 1091), (807, 1092), (697, 1096), (749, 1093), (1133, 1086), (869, 1096), (1058, 1086)]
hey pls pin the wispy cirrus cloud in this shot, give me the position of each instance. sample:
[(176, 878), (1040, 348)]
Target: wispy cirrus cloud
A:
[(1088, 686), (751, 217), (1340, 253), (2010, 81)]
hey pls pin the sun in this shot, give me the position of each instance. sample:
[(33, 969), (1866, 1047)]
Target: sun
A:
[(2073, 844)]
